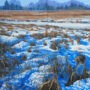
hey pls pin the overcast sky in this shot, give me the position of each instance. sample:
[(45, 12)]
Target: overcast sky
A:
[(26, 2)]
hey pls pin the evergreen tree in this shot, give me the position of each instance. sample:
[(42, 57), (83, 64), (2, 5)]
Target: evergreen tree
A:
[(15, 5), (6, 5)]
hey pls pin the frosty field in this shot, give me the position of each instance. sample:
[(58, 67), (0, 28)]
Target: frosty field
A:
[(35, 51)]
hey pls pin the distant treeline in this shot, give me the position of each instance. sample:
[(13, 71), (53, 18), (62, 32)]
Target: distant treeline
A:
[(44, 5), (11, 6)]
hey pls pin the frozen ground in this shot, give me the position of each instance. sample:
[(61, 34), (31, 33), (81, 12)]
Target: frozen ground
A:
[(30, 54), (64, 24)]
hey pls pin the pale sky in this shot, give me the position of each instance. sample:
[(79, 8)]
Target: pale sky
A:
[(26, 2)]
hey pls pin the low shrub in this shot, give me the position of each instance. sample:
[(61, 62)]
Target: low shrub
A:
[(55, 45), (80, 59), (50, 85), (24, 57), (32, 44)]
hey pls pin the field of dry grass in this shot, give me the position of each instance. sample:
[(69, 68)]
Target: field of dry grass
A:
[(25, 15)]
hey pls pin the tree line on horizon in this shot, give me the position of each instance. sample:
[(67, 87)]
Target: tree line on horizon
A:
[(11, 6), (42, 5)]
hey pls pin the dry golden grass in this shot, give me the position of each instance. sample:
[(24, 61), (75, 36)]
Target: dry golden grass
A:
[(45, 34), (25, 15), (54, 45), (50, 85)]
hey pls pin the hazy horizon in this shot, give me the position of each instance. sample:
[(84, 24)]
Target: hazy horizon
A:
[(26, 2)]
